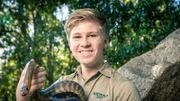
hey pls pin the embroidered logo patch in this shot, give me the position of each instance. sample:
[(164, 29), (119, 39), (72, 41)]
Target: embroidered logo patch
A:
[(100, 95)]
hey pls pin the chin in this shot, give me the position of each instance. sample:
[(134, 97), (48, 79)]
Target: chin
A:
[(86, 63)]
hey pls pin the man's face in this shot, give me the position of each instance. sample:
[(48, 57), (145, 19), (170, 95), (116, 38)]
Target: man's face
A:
[(87, 43)]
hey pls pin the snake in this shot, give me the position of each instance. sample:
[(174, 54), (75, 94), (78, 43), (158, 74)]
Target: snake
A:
[(32, 65), (64, 90)]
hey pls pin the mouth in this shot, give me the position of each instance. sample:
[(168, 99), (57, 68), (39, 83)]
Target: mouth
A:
[(86, 51)]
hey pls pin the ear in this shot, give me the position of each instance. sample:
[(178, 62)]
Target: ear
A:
[(69, 44), (106, 42)]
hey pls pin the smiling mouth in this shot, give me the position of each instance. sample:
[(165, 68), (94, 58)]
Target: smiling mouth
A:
[(86, 51)]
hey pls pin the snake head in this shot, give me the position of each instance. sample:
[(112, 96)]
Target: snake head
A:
[(24, 90)]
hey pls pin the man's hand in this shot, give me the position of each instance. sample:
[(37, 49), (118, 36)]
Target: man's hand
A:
[(38, 81)]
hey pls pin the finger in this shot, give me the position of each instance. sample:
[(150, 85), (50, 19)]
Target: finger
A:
[(39, 74), (36, 87), (38, 80), (40, 69)]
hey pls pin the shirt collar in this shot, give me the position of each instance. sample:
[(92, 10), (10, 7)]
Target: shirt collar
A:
[(106, 70)]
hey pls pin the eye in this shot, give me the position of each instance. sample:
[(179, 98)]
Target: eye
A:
[(92, 35), (77, 37)]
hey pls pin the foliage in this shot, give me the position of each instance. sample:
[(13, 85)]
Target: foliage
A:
[(136, 27)]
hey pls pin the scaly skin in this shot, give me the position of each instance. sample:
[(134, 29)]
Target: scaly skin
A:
[(64, 90), (32, 65)]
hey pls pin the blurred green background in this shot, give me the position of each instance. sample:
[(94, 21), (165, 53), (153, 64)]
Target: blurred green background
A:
[(35, 29)]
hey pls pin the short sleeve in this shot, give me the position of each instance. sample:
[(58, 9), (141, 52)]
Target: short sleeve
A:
[(126, 91)]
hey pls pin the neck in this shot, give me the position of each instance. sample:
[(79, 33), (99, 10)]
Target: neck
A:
[(89, 71)]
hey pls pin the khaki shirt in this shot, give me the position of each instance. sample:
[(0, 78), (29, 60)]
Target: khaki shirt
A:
[(105, 85)]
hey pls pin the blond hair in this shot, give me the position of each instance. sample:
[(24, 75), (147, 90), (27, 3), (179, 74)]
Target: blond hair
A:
[(90, 15)]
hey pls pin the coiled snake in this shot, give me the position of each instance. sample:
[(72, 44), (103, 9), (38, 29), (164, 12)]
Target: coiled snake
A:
[(65, 90)]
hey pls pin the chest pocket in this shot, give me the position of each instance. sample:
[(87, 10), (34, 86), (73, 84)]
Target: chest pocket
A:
[(100, 97), (101, 91)]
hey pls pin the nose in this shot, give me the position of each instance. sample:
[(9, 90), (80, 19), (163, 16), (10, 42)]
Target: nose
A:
[(85, 42)]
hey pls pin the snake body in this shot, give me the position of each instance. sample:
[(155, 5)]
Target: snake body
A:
[(32, 65), (65, 90)]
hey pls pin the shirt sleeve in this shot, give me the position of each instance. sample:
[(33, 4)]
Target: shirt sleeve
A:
[(126, 91)]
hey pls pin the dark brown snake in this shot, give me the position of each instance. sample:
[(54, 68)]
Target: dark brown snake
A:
[(65, 90)]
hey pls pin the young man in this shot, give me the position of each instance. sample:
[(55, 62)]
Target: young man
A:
[(87, 33)]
